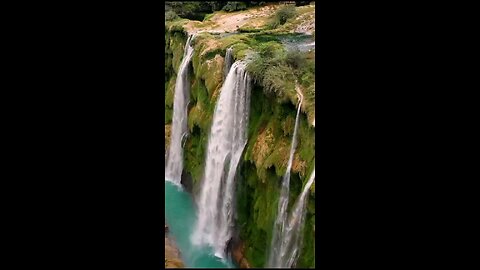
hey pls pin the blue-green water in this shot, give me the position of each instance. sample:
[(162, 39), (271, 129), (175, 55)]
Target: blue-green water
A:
[(181, 218)]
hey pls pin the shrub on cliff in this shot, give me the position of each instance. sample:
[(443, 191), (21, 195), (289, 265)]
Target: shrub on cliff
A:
[(296, 59), (282, 15), (170, 15), (189, 9), (276, 70), (269, 70)]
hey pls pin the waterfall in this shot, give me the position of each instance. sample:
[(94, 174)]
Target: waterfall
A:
[(279, 226), (227, 139), (174, 167), (228, 62), (292, 236)]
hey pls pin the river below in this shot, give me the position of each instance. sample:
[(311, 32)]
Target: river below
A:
[(180, 216)]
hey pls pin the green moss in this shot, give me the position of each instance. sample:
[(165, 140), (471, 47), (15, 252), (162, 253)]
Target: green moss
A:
[(199, 92), (250, 29), (200, 114), (196, 63), (211, 54), (177, 46), (300, 15), (283, 14), (175, 26), (194, 153), (171, 52), (270, 70), (170, 91), (258, 200), (259, 185), (208, 16), (257, 208), (307, 257), (263, 38), (306, 146), (260, 113), (288, 125), (229, 41)]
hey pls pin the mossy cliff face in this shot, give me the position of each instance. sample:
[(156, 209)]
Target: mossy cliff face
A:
[(270, 132)]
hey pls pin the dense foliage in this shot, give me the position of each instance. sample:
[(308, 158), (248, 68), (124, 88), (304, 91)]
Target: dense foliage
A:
[(275, 71), (171, 15), (197, 10), (282, 15), (234, 6), (191, 10)]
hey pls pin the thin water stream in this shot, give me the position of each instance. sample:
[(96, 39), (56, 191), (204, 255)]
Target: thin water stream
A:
[(278, 243), (174, 167)]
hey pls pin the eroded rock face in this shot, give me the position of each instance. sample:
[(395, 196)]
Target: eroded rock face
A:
[(238, 254), (172, 254), (267, 151), (187, 181)]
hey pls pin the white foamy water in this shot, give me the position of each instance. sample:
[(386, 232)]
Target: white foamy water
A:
[(174, 167), (227, 139)]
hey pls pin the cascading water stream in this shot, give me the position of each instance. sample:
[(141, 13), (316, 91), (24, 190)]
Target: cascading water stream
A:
[(279, 226), (228, 62), (292, 236), (174, 166), (227, 139)]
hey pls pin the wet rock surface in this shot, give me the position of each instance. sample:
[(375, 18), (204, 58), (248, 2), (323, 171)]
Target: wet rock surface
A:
[(238, 254), (172, 254), (266, 154)]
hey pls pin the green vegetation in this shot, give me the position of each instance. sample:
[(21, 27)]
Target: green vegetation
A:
[(173, 56), (171, 15), (282, 15), (248, 29), (208, 16), (234, 6), (276, 70), (196, 10), (257, 209), (270, 129), (189, 9), (272, 117), (302, 15), (269, 70)]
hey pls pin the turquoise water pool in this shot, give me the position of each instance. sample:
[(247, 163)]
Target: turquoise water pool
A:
[(180, 217)]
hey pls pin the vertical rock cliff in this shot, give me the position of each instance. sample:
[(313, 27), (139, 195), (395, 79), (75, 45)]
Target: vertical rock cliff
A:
[(270, 126)]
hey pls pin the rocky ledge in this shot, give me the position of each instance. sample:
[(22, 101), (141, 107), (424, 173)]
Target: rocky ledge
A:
[(238, 252), (172, 254)]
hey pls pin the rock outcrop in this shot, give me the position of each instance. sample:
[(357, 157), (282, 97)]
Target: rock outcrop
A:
[(272, 115), (172, 254), (239, 256)]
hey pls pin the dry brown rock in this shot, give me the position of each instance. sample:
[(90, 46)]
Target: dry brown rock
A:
[(172, 254), (238, 255)]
